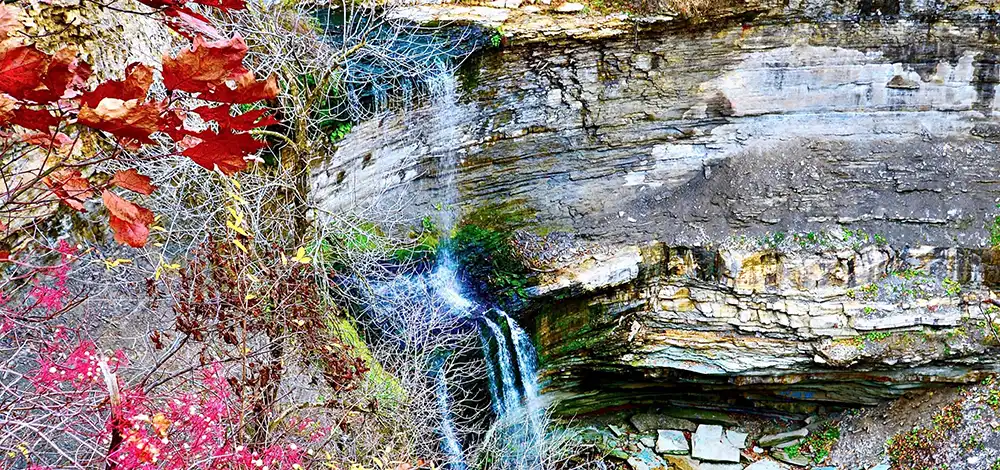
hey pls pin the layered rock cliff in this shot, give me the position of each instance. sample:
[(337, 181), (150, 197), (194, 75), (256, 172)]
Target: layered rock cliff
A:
[(667, 147)]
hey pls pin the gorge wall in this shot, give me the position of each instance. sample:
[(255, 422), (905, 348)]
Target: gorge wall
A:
[(665, 158)]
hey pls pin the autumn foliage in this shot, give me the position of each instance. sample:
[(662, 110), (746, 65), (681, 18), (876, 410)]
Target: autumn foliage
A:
[(47, 99)]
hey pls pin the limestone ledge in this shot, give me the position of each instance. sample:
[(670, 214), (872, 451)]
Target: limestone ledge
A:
[(759, 317), (531, 21)]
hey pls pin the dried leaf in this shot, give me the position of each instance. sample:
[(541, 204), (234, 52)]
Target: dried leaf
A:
[(225, 150), (35, 119), (132, 180), (138, 78), (130, 222), (244, 122), (244, 89), (21, 70), (205, 66), (70, 187), (125, 119)]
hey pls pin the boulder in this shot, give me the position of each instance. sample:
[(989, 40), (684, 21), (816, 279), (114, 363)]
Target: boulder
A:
[(772, 440), (671, 442), (709, 443)]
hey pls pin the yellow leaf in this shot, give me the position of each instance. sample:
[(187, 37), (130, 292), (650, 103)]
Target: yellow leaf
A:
[(253, 278), (159, 271), (300, 256), (240, 246), (236, 215), (251, 296), (284, 261), (236, 183), (237, 229)]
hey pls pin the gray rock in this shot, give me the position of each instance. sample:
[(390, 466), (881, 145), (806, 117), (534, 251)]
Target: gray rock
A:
[(737, 438), (671, 442), (772, 440), (787, 444), (654, 421), (709, 443), (617, 430), (648, 441), (799, 460), (766, 464)]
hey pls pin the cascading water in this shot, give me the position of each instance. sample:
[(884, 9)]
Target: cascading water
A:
[(510, 357)]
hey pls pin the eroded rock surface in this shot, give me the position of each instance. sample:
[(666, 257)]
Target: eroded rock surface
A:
[(659, 144)]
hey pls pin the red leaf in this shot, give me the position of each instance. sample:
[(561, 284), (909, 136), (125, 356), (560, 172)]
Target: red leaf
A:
[(131, 179), (138, 77), (64, 75), (246, 89), (62, 142), (70, 187), (224, 150), (223, 4), (129, 221), (205, 66), (21, 70), (244, 122), (37, 119), (125, 119), (190, 24), (4, 255)]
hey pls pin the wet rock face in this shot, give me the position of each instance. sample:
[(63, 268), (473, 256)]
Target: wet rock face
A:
[(660, 143)]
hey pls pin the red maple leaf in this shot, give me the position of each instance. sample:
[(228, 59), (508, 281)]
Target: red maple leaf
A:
[(243, 89), (205, 66), (138, 78), (21, 70), (190, 24), (124, 119), (64, 75), (224, 150), (36, 119), (130, 222), (243, 122), (131, 179), (223, 4), (70, 187)]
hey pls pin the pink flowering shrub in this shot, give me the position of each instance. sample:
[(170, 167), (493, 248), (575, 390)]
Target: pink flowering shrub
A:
[(65, 403)]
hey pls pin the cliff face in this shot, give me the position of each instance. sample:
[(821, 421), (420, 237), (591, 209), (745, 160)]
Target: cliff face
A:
[(658, 142)]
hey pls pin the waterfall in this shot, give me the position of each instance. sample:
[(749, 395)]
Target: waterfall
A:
[(436, 299)]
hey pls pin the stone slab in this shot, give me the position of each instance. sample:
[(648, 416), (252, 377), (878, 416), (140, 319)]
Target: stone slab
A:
[(709, 443), (671, 442)]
